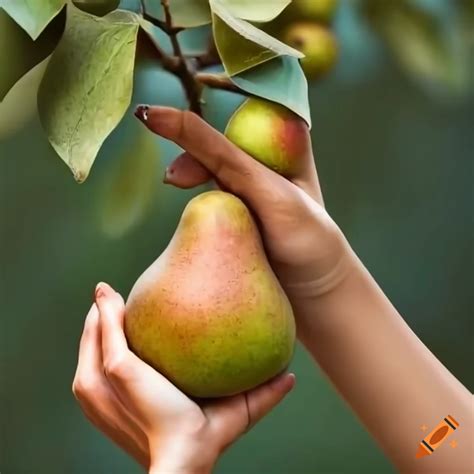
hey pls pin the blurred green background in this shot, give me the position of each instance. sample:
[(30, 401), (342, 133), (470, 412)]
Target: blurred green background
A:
[(395, 160)]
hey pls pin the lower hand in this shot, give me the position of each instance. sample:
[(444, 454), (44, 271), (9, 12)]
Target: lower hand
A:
[(144, 413)]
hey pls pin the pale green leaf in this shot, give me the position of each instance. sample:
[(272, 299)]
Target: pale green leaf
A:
[(19, 53), (130, 188), (19, 105), (423, 47), (87, 86), (241, 45), (33, 15), (185, 13), (280, 80), (256, 10)]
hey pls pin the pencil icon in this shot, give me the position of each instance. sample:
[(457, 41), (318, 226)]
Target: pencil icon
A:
[(437, 436)]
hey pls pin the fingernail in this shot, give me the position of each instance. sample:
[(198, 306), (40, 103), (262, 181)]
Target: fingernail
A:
[(291, 381), (286, 382), (167, 176), (141, 112), (101, 290)]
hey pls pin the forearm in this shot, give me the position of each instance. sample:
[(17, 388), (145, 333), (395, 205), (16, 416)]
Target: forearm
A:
[(391, 380)]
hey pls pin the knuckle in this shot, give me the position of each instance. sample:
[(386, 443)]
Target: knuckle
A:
[(117, 367), (83, 388)]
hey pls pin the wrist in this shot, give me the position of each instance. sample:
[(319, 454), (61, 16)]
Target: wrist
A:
[(181, 457)]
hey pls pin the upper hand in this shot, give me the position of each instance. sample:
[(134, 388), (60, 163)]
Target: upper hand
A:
[(305, 247)]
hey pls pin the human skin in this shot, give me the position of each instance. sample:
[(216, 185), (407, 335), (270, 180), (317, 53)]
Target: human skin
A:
[(391, 380)]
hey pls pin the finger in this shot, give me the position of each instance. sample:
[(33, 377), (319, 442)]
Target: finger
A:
[(228, 163), (90, 353), (232, 167), (96, 397), (122, 430), (185, 172), (124, 370), (111, 309), (233, 416)]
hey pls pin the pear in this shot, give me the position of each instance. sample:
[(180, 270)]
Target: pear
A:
[(318, 45), (310, 10), (209, 313), (271, 133)]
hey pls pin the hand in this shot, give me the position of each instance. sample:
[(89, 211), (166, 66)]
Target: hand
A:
[(144, 413), (307, 250)]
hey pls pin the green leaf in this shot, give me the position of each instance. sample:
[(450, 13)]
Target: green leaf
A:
[(33, 15), (255, 10), (19, 105), (280, 80), (241, 45), (130, 188), (19, 53), (97, 7), (185, 13), (87, 86), (420, 44)]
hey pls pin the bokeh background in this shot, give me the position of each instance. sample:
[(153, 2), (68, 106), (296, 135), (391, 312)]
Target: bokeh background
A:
[(394, 155)]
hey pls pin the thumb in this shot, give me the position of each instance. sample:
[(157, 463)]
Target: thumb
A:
[(264, 398), (186, 172), (233, 416)]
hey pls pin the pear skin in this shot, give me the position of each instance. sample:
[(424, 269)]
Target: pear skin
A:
[(209, 313), (270, 133), (317, 43)]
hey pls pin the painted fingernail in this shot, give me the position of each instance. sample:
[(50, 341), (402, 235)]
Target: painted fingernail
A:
[(141, 112), (168, 174)]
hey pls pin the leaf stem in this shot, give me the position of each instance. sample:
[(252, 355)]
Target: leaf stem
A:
[(217, 81)]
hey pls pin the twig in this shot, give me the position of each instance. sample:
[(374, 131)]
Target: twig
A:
[(217, 81), (190, 85)]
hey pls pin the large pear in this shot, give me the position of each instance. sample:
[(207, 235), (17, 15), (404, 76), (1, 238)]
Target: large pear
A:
[(209, 313)]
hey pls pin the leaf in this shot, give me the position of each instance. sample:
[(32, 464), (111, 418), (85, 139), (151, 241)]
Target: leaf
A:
[(255, 10), (280, 80), (130, 188), (33, 15), (185, 13), (241, 45), (87, 86), (418, 42), (19, 105), (97, 7), (19, 53)]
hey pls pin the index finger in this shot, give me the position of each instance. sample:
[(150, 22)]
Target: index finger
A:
[(231, 166), (227, 162)]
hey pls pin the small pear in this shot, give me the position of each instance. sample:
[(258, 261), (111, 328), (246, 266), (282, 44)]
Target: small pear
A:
[(311, 10), (209, 313), (271, 133), (318, 45)]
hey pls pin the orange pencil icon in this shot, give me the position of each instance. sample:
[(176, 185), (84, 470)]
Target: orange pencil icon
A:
[(437, 436)]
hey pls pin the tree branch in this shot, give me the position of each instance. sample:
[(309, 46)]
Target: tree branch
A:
[(177, 63), (218, 81), (191, 86)]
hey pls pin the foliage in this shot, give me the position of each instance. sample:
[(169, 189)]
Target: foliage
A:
[(86, 87)]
